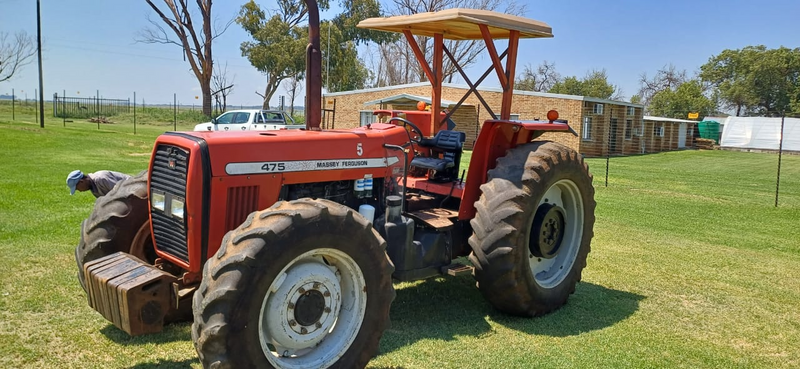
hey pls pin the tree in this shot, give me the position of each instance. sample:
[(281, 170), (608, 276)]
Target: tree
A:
[(756, 80), (399, 65), (279, 42), (15, 53), (594, 84), (678, 102), (541, 80), (347, 71), (194, 39), (666, 78), (222, 87)]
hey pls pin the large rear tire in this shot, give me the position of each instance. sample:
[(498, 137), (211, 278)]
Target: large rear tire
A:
[(533, 228), (118, 222), (303, 284)]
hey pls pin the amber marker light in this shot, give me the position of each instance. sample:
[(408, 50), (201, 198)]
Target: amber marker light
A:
[(552, 115)]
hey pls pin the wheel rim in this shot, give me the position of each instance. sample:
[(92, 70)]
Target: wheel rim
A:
[(558, 223), (313, 310)]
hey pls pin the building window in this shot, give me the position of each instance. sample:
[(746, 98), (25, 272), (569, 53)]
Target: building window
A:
[(368, 118), (641, 129), (658, 129), (514, 117), (587, 128), (598, 109), (628, 129), (631, 111)]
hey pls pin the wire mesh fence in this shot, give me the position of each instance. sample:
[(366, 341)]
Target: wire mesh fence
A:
[(624, 147)]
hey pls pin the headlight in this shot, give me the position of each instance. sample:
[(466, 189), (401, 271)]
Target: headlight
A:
[(176, 208), (157, 201)]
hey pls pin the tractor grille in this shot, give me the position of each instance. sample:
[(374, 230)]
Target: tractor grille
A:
[(169, 177)]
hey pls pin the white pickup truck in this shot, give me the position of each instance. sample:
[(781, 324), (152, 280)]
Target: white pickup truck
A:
[(250, 120)]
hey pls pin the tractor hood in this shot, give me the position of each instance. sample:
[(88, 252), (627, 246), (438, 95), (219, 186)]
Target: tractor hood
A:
[(247, 152)]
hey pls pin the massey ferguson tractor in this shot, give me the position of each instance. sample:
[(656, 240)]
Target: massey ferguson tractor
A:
[(283, 246)]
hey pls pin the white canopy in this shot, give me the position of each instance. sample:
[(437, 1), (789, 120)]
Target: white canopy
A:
[(760, 133)]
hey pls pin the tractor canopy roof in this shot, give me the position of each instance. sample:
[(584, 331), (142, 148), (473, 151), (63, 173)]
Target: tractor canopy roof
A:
[(460, 24)]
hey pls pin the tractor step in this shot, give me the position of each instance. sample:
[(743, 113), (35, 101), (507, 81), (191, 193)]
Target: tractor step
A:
[(438, 218), (457, 269)]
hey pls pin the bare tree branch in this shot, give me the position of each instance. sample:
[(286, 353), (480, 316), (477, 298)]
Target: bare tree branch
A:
[(15, 54), (195, 40)]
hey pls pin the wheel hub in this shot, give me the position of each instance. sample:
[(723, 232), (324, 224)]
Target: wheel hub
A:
[(309, 307), (548, 231)]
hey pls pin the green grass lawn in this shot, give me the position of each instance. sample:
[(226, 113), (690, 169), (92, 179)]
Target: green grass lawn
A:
[(691, 266)]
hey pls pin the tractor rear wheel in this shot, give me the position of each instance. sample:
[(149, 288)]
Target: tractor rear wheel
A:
[(303, 284), (533, 228), (118, 222)]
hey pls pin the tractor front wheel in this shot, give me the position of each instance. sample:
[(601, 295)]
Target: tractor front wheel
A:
[(118, 222), (533, 228), (303, 284)]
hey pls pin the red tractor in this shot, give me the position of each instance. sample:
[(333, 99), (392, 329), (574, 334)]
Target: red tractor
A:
[(284, 245)]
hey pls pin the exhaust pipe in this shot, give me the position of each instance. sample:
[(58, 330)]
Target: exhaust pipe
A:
[(313, 110)]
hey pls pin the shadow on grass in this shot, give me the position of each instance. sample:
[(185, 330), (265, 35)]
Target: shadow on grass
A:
[(171, 333), (444, 308), (167, 364)]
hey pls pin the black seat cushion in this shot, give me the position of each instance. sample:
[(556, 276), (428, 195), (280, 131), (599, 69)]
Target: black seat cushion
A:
[(432, 163)]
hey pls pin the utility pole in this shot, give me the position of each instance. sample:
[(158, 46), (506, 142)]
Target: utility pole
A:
[(39, 51)]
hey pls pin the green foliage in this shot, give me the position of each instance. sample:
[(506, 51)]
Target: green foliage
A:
[(279, 43), (636, 99), (355, 11), (677, 103), (756, 80), (347, 72), (594, 84), (278, 46)]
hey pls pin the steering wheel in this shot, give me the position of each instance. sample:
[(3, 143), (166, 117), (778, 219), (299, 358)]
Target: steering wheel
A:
[(407, 123)]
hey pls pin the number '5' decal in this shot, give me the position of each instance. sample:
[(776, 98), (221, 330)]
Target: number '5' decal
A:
[(359, 149)]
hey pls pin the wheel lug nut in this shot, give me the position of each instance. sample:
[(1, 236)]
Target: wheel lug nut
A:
[(302, 290), (291, 305), (319, 325), (316, 285), (326, 294), (303, 330), (327, 309), (292, 323)]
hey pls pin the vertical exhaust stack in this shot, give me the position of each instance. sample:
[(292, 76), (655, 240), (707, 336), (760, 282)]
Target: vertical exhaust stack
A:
[(313, 111)]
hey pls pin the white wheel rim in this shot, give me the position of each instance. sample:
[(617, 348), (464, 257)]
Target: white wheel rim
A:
[(549, 273), (328, 274)]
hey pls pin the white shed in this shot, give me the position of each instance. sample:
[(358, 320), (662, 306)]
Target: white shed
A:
[(760, 133)]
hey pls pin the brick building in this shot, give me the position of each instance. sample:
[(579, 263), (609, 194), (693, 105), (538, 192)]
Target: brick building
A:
[(601, 125)]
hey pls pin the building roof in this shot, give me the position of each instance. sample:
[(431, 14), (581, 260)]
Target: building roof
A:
[(460, 24), (406, 98), (488, 89), (671, 120)]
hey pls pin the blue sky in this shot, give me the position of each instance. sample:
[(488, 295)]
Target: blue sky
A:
[(90, 44)]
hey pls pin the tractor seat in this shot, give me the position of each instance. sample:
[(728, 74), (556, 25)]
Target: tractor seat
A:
[(449, 142)]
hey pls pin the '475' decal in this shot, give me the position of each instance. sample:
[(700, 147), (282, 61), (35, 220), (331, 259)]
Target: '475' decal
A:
[(273, 167)]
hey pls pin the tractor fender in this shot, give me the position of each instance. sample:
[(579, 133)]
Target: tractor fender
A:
[(494, 140)]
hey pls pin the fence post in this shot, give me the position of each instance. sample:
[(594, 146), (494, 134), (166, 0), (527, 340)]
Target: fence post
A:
[(780, 155), (134, 112), (64, 107), (175, 112), (97, 108), (608, 145)]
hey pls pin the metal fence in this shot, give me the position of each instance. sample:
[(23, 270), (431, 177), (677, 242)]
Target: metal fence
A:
[(86, 107)]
